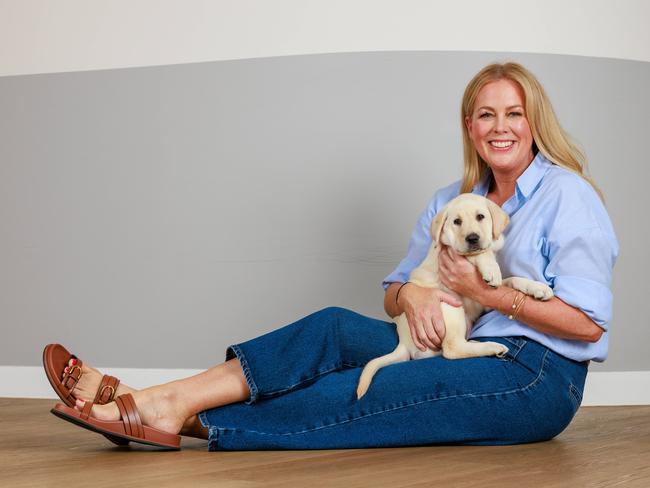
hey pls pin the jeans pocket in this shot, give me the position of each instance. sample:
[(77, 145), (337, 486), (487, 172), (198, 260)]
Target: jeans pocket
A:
[(576, 397)]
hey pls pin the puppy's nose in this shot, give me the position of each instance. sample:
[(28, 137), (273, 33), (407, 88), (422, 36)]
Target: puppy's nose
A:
[(472, 238)]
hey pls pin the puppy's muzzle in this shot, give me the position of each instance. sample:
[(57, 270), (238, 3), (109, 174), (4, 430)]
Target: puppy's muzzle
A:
[(473, 241)]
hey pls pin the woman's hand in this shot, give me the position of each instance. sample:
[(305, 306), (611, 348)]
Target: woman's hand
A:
[(460, 276), (424, 316)]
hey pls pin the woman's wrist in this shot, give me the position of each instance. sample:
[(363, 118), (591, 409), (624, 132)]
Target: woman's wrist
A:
[(399, 290), (496, 297), (393, 301)]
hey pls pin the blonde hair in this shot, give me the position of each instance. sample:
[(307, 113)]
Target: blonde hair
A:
[(548, 136)]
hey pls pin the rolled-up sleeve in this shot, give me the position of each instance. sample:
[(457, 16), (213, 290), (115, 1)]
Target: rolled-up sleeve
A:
[(580, 264)]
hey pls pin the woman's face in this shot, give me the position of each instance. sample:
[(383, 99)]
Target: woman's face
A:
[(499, 128)]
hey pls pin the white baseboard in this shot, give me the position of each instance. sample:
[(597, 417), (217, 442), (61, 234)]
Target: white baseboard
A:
[(602, 388), (617, 388)]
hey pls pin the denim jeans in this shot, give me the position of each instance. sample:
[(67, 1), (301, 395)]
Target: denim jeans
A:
[(303, 379)]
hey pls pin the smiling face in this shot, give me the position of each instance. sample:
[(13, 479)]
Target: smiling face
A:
[(499, 129)]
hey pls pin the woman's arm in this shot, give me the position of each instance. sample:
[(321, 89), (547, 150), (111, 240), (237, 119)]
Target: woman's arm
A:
[(553, 317)]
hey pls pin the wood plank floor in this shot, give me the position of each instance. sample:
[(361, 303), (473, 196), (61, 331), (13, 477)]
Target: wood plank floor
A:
[(604, 446)]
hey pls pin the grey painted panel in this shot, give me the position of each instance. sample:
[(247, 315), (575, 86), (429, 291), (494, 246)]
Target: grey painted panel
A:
[(150, 217)]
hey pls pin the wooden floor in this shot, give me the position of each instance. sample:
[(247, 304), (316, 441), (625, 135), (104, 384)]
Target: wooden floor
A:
[(604, 446)]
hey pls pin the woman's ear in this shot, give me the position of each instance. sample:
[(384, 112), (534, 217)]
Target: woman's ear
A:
[(500, 219), (468, 123), (437, 224)]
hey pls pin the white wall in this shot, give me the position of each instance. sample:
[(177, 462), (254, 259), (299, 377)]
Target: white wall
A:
[(41, 36)]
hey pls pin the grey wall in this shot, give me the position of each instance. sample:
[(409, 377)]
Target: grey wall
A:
[(149, 217)]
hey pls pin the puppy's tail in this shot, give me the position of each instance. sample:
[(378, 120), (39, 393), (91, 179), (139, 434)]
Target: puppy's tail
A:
[(399, 355)]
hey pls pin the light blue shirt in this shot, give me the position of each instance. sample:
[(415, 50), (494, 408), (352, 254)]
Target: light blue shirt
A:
[(560, 234)]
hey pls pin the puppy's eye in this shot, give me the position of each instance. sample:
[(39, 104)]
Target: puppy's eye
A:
[(458, 222), (480, 217)]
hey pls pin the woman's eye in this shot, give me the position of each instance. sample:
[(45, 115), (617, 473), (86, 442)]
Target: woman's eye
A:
[(480, 217), (515, 114), (485, 115), (458, 222)]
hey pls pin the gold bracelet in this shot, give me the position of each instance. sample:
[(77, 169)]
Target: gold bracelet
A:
[(400, 289), (517, 304)]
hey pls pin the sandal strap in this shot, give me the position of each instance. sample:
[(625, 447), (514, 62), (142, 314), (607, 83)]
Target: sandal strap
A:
[(107, 388), (72, 377), (85, 412), (130, 416)]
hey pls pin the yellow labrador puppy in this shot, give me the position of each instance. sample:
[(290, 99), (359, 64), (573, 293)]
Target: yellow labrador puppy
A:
[(472, 225)]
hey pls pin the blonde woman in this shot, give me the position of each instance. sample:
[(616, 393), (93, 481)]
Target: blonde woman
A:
[(295, 387)]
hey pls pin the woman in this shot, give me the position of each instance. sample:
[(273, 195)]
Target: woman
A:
[(294, 388)]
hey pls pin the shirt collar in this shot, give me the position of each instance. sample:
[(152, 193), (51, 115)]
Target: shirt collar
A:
[(527, 181)]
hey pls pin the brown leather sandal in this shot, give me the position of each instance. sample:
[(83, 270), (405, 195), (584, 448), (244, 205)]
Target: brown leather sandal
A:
[(55, 359), (129, 429)]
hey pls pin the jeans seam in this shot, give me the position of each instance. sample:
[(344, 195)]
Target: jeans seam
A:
[(576, 397), (213, 431), (514, 343), (247, 373), (468, 395)]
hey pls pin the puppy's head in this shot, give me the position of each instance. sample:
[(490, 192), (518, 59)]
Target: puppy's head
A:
[(469, 224)]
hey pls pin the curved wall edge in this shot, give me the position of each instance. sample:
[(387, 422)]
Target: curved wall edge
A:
[(38, 36)]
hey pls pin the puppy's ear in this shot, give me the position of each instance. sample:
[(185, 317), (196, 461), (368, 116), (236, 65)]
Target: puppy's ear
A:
[(437, 224), (500, 219)]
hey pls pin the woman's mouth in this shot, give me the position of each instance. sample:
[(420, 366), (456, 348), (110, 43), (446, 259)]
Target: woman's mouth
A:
[(501, 145)]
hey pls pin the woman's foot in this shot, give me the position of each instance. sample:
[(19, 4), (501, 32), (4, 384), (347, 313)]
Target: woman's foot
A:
[(87, 386), (159, 407)]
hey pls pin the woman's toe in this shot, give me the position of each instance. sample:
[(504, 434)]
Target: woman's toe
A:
[(71, 362)]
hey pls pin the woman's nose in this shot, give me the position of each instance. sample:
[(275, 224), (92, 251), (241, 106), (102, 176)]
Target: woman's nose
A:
[(500, 124)]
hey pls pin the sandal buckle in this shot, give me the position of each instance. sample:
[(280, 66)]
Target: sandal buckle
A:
[(75, 379), (110, 396)]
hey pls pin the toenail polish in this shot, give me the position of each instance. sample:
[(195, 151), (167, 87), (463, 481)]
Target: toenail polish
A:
[(66, 369), (73, 361)]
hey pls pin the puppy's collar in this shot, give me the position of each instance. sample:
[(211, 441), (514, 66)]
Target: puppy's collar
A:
[(474, 253)]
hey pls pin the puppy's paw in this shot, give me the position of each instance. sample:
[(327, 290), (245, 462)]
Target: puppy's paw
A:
[(541, 291), (501, 350), (496, 349), (535, 289), (492, 275)]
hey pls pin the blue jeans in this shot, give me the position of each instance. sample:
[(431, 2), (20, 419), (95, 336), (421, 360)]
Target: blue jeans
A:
[(303, 379)]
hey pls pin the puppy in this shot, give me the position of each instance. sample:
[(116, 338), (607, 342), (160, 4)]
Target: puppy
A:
[(472, 225)]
